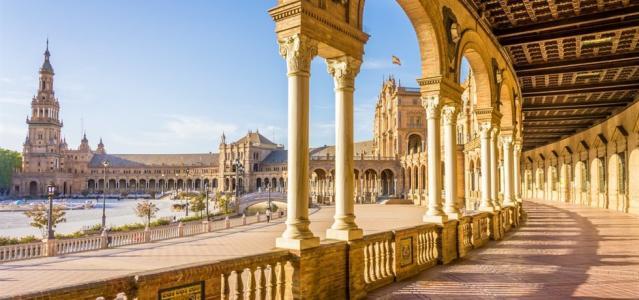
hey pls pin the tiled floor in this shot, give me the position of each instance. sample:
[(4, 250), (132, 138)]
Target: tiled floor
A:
[(563, 251)]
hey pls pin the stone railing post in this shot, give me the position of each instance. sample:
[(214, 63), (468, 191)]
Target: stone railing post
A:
[(243, 219), (257, 216), (104, 240), (205, 226), (448, 241), (147, 234), (49, 246), (227, 223), (181, 229)]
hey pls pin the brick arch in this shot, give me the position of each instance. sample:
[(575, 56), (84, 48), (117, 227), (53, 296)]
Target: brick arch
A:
[(473, 49)]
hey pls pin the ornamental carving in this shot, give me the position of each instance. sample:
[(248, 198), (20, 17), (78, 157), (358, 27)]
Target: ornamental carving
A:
[(298, 50), (485, 130), (432, 104), (449, 113), (344, 70)]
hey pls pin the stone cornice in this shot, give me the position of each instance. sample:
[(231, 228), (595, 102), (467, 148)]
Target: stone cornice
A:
[(289, 18), (488, 114), (447, 89)]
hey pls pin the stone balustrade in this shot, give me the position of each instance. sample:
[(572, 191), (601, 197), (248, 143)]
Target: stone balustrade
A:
[(118, 239), (334, 270)]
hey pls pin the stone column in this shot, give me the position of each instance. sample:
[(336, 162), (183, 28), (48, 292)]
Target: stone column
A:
[(494, 169), (433, 112), (517, 170), (298, 50), (485, 141), (450, 161), (344, 70), (506, 142)]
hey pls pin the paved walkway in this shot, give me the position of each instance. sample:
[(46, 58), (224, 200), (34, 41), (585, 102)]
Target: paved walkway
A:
[(563, 251), (29, 276)]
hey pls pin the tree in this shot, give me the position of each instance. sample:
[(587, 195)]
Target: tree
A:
[(9, 162), (39, 216), (198, 203), (146, 209), (222, 201)]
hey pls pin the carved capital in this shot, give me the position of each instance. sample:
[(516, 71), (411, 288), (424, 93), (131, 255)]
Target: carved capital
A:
[(433, 106), (298, 50), (485, 130), (344, 70), (449, 113), (506, 141)]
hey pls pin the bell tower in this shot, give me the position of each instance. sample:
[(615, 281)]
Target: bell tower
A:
[(43, 144)]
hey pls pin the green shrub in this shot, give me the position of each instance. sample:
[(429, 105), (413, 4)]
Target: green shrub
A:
[(4, 241)]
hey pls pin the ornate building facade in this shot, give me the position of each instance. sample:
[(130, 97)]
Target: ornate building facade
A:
[(386, 167)]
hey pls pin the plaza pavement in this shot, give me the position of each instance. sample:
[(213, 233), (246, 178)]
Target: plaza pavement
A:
[(563, 251), (33, 275)]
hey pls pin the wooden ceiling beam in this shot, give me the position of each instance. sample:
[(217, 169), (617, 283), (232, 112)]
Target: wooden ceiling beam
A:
[(534, 37), (582, 88), (581, 105), (565, 118), (608, 16), (580, 65), (548, 127)]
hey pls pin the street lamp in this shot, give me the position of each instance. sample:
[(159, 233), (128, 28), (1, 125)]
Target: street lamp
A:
[(162, 185), (105, 164), (186, 181), (268, 209), (50, 193), (239, 169), (206, 190)]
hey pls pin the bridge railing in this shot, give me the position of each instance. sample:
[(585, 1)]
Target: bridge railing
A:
[(118, 239)]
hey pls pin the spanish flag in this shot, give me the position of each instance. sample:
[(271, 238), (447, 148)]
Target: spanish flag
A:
[(396, 60)]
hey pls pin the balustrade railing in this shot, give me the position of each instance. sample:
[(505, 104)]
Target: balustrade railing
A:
[(261, 276), (21, 251), (379, 259), (66, 246), (118, 239), (126, 238)]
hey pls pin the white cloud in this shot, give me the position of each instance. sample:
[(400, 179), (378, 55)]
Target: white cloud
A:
[(12, 136), (188, 127)]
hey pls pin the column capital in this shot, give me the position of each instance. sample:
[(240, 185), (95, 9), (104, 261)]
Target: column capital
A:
[(506, 140), (449, 113), (344, 70), (298, 50), (485, 129), (433, 106)]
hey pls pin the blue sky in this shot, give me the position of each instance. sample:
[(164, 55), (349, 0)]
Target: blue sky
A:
[(171, 76)]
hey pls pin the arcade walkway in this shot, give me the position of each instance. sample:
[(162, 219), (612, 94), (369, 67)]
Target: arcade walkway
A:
[(562, 251)]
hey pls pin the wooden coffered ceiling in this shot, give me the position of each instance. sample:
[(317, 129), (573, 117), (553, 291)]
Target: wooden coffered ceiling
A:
[(577, 60)]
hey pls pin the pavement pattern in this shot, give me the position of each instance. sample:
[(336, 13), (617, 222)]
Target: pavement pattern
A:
[(563, 251)]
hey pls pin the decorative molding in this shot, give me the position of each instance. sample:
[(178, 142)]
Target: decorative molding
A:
[(305, 8), (449, 113), (298, 50), (344, 70), (447, 89)]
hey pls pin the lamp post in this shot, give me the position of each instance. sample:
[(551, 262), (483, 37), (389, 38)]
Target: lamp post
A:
[(162, 185), (50, 193), (105, 164), (239, 168), (186, 181), (206, 191)]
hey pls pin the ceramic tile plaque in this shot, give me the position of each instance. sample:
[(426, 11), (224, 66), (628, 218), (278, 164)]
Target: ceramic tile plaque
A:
[(194, 291), (406, 251)]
